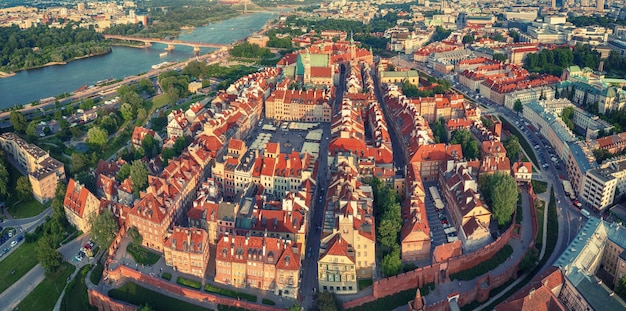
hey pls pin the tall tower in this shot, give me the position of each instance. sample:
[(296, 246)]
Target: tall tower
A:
[(245, 6), (599, 5), (553, 4), (352, 48), (307, 67)]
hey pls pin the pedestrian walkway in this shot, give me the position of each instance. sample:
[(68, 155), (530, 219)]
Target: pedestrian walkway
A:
[(12, 296)]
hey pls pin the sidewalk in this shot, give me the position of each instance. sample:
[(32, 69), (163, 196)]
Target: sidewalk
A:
[(12, 296)]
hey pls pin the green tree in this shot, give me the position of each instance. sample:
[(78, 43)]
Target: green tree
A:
[(127, 111), (23, 188), (468, 39), (567, 115), (529, 261), (439, 131), (97, 136), (149, 145), (409, 90), (392, 264), (4, 180), (123, 173), (49, 258), (145, 308), (517, 106), (503, 196), (79, 162), (138, 176), (103, 228), (295, 307), (135, 236), (513, 148), (18, 121), (388, 233), (500, 57), (327, 301), (467, 142), (31, 130)]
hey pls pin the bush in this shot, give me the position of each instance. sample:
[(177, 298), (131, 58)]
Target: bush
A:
[(229, 293), (166, 276), (142, 255), (268, 302), (188, 283)]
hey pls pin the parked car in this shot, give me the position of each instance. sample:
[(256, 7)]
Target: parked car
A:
[(13, 244)]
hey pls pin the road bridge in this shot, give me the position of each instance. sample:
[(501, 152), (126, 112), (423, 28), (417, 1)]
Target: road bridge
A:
[(170, 43)]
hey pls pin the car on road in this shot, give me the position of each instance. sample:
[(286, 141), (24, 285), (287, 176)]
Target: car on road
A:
[(20, 238), (13, 244)]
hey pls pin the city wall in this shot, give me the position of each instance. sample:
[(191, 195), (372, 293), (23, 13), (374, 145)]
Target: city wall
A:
[(105, 303), (434, 273), (122, 273)]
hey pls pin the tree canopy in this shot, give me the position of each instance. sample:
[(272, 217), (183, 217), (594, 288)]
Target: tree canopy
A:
[(500, 192), (23, 188), (467, 142), (138, 176), (97, 137), (18, 121), (513, 148), (49, 258), (103, 228), (327, 301)]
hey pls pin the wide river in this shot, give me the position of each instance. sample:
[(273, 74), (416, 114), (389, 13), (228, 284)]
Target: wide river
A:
[(29, 85)]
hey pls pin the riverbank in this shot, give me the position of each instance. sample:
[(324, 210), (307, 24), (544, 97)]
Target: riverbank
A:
[(6, 74), (48, 64)]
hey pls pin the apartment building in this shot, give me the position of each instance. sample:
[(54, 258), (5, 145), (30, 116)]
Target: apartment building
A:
[(187, 251), (415, 234), (601, 184), (550, 125), (44, 172), (139, 133)]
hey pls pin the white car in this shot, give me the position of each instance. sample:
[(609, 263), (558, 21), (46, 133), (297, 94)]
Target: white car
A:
[(13, 244)]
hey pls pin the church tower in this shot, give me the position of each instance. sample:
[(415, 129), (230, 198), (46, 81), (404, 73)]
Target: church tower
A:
[(307, 66)]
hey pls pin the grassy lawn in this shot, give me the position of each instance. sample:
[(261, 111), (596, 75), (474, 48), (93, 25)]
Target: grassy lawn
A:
[(485, 266), (365, 283), (142, 256), (160, 101), (553, 228), (229, 293), (188, 283), (46, 294), (393, 301), (139, 296), (75, 297), (539, 186), (522, 141), (540, 207), (166, 276), (268, 302), (96, 274), (21, 260), (25, 209)]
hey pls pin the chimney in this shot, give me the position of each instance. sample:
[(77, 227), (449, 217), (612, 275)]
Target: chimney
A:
[(247, 238), (232, 249), (226, 237)]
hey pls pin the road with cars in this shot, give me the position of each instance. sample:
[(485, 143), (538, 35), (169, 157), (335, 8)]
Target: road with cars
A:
[(570, 218), (12, 296)]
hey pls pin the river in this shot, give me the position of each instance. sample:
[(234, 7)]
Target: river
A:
[(30, 85)]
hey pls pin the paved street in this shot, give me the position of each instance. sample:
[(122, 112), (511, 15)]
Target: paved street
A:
[(13, 295)]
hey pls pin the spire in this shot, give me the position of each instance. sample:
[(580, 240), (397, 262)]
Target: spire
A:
[(351, 38), (418, 303)]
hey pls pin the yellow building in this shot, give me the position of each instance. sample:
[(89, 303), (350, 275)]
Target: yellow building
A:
[(292, 105), (187, 250), (44, 172), (336, 266), (80, 205)]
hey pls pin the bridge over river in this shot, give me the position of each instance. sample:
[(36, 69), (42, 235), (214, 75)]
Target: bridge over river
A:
[(171, 43)]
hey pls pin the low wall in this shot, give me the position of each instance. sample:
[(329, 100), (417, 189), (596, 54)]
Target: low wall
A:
[(105, 303), (123, 272), (433, 273), (479, 292)]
